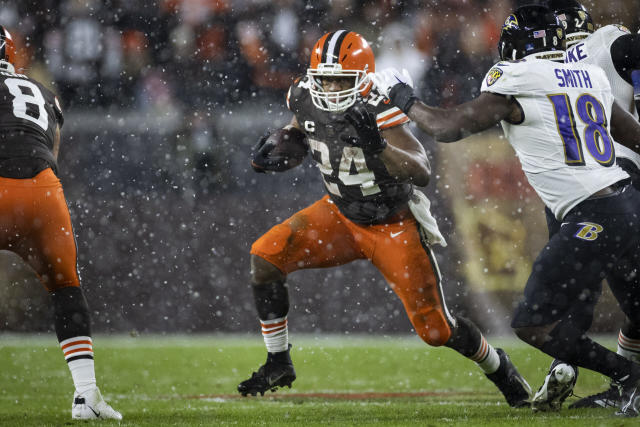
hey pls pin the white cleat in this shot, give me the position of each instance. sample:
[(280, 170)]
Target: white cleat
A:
[(557, 386), (90, 406)]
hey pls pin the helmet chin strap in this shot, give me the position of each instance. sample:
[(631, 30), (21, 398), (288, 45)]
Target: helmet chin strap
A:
[(4, 65)]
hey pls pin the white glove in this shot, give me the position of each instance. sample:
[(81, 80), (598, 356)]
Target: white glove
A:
[(386, 79)]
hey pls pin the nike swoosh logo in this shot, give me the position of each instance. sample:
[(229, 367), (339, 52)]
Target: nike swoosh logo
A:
[(563, 224), (396, 234), (96, 413)]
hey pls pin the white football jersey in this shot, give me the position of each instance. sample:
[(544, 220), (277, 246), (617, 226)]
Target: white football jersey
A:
[(564, 142), (596, 49)]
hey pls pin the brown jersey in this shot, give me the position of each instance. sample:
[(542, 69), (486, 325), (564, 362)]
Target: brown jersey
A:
[(29, 116), (358, 183)]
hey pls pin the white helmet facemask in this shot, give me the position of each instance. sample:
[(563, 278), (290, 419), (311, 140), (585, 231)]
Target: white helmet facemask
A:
[(335, 101)]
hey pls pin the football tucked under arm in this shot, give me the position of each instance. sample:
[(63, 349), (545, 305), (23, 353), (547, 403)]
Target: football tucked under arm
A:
[(280, 150)]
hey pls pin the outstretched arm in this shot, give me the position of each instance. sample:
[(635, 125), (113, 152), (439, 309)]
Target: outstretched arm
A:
[(453, 124), (625, 129)]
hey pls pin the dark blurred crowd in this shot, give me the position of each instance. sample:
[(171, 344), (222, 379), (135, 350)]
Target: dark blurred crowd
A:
[(164, 54), (210, 53)]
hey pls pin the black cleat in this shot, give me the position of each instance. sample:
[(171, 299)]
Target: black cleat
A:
[(605, 399), (630, 397), (513, 386), (276, 372)]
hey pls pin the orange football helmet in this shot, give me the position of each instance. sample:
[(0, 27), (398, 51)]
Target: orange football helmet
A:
[(7, 50), (340, 54)]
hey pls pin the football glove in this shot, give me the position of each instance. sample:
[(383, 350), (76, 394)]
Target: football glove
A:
[(262, 160), (364, 122), (397, 86)]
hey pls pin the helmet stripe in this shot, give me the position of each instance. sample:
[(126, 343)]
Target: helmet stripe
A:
[(323, 58), (330, 55)]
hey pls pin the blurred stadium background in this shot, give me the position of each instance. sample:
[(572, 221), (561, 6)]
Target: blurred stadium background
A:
[(163, 101)]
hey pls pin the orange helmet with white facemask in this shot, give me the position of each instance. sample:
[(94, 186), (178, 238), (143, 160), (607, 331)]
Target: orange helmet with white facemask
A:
[(7, 50), (340, 54)]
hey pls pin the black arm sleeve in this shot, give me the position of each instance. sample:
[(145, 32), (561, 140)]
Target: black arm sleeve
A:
[(625, 54)]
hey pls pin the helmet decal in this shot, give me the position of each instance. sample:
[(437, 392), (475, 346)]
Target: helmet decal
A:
[(511, 22), (539, 34), (331, 48)]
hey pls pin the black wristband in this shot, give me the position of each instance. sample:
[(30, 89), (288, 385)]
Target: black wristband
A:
[(402, 96)]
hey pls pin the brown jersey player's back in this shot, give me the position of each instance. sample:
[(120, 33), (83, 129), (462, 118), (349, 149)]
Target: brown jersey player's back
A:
[(30, 118)]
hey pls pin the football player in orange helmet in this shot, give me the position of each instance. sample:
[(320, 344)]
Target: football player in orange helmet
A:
[(347, 58), (370, 163), (35, 221)]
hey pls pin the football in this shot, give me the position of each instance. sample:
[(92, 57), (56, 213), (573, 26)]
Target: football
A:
[(290, 147)]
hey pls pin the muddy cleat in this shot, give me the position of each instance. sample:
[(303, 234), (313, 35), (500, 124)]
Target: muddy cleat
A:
[(90, 406), (604, 399), (513, 386), (276, 372), (557, 386), (630, 396)]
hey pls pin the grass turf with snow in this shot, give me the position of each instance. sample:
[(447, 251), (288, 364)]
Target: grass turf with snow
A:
[(191, 380)]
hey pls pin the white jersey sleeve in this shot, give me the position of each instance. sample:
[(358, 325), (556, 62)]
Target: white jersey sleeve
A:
[(504, 78)]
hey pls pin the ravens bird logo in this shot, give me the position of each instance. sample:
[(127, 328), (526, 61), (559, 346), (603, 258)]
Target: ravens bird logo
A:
[(511, 22)]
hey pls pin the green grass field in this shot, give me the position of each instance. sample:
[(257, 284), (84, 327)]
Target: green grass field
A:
[(191, 380)]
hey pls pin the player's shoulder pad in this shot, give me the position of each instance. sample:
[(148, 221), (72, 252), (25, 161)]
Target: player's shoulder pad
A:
[(610, 32), (502, 77), (617, 27), (298, 91), (387, 114), (51, 99)]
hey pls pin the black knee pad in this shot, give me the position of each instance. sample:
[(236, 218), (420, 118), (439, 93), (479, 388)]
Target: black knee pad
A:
[(272, 300), (71, 310)]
